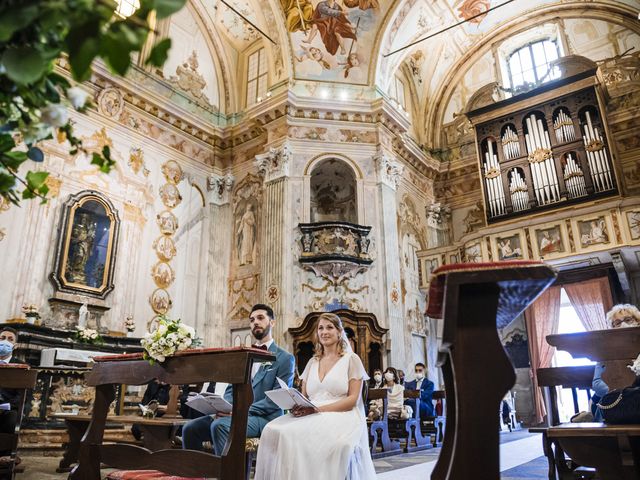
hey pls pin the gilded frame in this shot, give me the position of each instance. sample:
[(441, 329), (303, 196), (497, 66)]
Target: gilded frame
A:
[(65, 228)]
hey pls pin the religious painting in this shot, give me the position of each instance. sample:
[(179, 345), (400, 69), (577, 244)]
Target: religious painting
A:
[(429, 265), (549, 241), (633, 224), (509, 246), (473, 252), (331, 40), (86, 249), (592, 233)]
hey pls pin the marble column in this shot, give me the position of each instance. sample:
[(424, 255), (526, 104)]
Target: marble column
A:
[(218, 223), (273, 166), (389, 171)]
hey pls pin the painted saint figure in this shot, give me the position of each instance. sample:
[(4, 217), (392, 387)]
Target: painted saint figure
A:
[(298, 14), (333, 25)]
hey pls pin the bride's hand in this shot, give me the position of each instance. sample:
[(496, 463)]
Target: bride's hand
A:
[(298, 411)]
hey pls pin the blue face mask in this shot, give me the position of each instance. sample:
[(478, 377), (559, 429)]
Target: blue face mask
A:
[(6, 348)]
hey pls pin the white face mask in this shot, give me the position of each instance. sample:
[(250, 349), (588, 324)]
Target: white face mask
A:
[(377, 377), (627, 325), (389, 377), (419, 375)]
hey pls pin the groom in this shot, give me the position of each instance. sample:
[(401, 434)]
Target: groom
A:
[(263, 378)]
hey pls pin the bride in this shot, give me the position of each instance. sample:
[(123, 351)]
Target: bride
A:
[(329, 442)]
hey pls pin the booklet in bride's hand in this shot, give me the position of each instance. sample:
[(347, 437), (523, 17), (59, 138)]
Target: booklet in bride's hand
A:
[(209, 403), (286, 398)]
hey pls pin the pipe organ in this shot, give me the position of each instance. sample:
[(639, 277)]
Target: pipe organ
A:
[(538, 150)]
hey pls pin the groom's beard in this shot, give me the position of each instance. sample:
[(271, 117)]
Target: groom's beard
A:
[(259, 333)]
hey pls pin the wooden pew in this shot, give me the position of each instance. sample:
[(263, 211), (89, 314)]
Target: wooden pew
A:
[(379, 429), (410, 429), (574, 378), (17, 377), (474, 299), (613, 450), (231, 365)]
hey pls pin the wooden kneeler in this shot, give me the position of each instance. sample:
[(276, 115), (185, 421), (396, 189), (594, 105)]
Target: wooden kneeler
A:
[(474, 300)]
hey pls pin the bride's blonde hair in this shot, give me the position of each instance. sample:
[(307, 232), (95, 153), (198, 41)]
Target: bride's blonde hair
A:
[(336, 322)]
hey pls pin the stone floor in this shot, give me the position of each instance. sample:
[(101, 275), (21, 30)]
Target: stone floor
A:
[(521, 458)]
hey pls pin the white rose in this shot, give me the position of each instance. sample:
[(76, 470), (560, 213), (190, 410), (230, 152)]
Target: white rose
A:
[(55, 115), (77, 97), (162, 329)]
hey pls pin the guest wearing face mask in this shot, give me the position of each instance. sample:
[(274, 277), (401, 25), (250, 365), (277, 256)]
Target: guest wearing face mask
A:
[(426, 387), (395, 396), (376, 379), (622, 315), (9, 398)]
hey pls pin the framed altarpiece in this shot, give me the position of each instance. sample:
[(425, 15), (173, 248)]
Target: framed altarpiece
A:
[(87, 245)]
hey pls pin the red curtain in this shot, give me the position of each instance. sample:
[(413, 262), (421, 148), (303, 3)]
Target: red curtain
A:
[(542, 319), (591, 300)]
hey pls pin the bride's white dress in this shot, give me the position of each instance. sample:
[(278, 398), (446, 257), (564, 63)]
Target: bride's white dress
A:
[(321, 446)]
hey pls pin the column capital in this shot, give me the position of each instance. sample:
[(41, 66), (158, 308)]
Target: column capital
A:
[(275, 163), (219, 188), (388, 168)]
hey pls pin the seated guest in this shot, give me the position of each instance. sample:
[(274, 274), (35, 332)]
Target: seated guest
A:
[(401, 377), (395, 399), (376, 379), (328, 441), (215, 429), (426, 388), (8, 418), (620, 316)]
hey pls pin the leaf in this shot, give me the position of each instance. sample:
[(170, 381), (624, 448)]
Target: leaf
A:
[(83, 45), (164, 8), (159, 53), (24, 64), (35, 180), (16, 18), (35, 154), (7, 182), (116, 53), (6, 142)]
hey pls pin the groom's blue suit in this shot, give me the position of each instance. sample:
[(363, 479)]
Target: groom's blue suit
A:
[(261, 411)]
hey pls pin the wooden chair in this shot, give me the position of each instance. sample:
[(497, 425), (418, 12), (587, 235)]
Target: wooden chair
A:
[(474, 299), (16, 377), (379, 429), (550, 379)]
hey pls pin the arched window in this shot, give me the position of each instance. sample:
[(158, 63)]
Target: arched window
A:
[(530, 64), (127, 7), (333, 192)]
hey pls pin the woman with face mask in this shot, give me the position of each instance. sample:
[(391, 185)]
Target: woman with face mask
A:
[(9, 398), (395, 396), (622, 315)]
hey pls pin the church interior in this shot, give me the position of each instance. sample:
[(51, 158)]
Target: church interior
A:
[(330, 156)]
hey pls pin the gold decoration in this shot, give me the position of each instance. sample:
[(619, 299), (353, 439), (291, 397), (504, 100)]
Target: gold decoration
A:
[(4, 204), (165, 248), (163, 274), (160, 301), (539, 155), (170, 195), (273, 294), (172, 172), (492, 173), (136, 159), (54, 185), (573, 175), (594, 146), (167, 222)]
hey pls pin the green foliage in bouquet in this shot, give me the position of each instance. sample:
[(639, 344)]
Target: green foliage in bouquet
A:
[(169, 337)]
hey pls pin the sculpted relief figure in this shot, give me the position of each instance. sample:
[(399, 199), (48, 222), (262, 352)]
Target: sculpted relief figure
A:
[(246, 235)]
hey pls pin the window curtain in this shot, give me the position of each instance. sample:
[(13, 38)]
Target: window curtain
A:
[(542, 319), (591, 300)]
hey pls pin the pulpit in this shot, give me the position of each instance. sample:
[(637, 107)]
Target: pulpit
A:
[(475, 300), (366, 335)]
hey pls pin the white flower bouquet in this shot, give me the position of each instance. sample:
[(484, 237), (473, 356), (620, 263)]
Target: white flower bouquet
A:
[(88, 335), (169, 337)]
